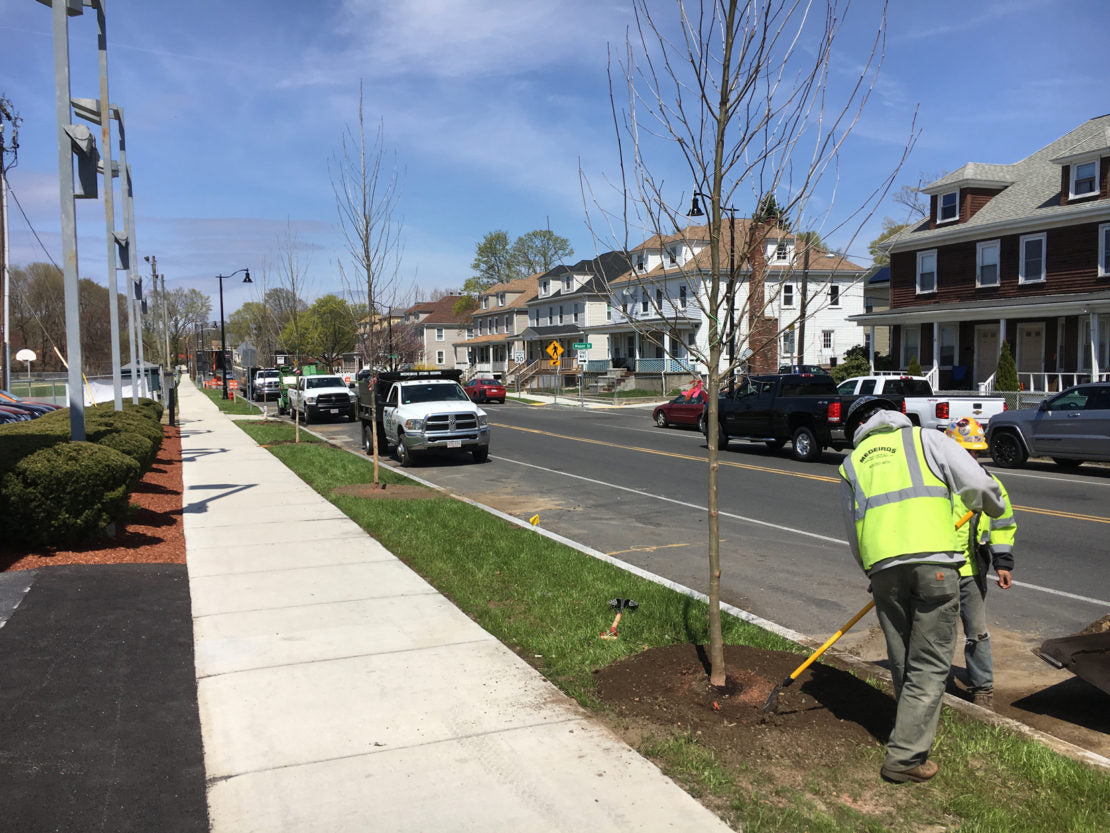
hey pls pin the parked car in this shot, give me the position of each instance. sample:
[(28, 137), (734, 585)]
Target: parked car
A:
[(31, 406), (14, 414), (924, 407), (682, 410), (1071, 427), (485, 390)]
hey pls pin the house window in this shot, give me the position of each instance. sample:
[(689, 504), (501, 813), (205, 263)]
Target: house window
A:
[(576, 306), (834, 296), (682, 294), (560, 313), (986, 259), (1084, 178), (692, 339), (470, 332), (672, 254), (948, 207), (1104, 250), (947, 345), (439, 357), (788, 343), (659, 298), (788, 296), (485, 302), (780, 251), (439, 333), (827, 339), (544, 287), (644, 301), (608, 312), (927, 271), (1031, 268), (550, 315), (639, 263), (500, 299)]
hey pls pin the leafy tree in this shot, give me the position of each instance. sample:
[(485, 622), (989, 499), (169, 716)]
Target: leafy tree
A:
[(1006, 376), (854, 364), (769, 210), (328, 328), (492, 264), (879, 256), (538, 251), (914, 367)]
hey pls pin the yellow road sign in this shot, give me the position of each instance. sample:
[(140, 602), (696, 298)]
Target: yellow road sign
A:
[(554, 349), (554, 362)]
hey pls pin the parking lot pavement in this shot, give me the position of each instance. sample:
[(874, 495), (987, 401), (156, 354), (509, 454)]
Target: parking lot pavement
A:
[(99, 702)]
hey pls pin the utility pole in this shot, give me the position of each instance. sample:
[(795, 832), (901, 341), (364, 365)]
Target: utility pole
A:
[(4, 273), (801, 346), (166, 325)]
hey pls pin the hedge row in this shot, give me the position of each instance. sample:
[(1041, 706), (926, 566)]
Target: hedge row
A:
[(54, 492)]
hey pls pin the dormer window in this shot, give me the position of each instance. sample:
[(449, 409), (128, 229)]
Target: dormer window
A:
[(640, 263), (948, 207), (500, 299), (544, 287), (1084, 179), (485, 302), (566, 284), (673, 254), (780, 251)]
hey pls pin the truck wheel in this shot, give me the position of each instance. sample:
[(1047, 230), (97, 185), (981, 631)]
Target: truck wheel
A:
[(305, 419), (806, 447), (1007, 450), (367, 440), (404, 456), (481, 453), (721, 439)]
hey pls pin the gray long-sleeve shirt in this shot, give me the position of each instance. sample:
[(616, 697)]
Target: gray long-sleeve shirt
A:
[(948, 461)]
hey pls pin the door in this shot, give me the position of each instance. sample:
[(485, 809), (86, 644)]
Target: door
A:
[(986, 351), (751, 415), (1030, 349)]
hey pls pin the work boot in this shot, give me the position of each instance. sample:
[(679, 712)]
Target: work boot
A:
[(984, 699), (921, 772)]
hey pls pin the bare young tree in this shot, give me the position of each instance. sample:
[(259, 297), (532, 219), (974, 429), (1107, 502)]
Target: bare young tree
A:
[(283, 309), (741, 96), (366, 197)]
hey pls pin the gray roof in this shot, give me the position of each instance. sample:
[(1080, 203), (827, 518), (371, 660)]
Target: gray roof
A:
[(1033, 195)]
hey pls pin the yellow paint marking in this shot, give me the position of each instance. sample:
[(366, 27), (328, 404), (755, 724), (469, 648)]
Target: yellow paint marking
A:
[(649, 548), (1075, 516)]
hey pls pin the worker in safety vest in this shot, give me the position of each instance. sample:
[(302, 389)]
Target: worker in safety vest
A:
[(899, 488), (985, 544)]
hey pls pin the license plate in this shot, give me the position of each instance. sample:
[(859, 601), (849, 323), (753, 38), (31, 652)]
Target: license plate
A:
[(454, 443), (333, 410)]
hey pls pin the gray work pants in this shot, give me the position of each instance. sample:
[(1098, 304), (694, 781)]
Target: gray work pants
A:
[(918, 606), (977, 639)]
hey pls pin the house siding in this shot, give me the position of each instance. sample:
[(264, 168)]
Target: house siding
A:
[(1070, 266), (1103, 185)]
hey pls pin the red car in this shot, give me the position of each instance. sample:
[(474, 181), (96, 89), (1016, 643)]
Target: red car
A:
[(485, 390), (682, 410)]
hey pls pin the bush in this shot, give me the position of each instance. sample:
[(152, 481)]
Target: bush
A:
[(914, 367), (1005, 376), (65, 493)]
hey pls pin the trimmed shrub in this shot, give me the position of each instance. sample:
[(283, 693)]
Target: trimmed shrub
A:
[(66, 493), (1005, 375)]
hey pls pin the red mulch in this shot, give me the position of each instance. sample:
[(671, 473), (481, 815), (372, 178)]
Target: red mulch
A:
[(153, 533)]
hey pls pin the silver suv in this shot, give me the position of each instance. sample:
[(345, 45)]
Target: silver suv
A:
[(1070, 427)]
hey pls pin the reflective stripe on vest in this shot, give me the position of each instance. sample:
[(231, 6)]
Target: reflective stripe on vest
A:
[(901, 507)]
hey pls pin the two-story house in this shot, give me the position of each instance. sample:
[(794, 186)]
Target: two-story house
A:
[(1015, 253), (570, 301), (496, 343), (438, 327), (657, 320)]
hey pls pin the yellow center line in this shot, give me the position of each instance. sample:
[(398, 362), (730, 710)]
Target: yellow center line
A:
[(818, 477), (1075, 516)]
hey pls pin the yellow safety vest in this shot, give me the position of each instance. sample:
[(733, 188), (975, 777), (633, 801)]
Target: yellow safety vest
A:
[(901, 507), (999, 532)]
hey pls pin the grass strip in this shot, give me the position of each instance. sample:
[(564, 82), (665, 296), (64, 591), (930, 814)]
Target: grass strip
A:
[(549, 602)]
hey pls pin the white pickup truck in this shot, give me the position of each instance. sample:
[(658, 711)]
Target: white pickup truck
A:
[(924, 407), (322, 395), (421, 411)]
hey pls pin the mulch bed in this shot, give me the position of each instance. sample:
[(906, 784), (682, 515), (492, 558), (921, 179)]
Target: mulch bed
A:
[(153, 533)]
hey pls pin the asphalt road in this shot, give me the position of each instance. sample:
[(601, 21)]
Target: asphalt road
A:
[(612, 480)]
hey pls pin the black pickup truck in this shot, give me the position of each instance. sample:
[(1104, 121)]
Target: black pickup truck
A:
[(800, 408)]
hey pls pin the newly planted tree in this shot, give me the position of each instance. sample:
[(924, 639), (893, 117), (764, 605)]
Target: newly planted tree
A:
[(740, 94)]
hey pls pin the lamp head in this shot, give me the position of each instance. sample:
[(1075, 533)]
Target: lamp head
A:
[(695, 208), (247, 277)]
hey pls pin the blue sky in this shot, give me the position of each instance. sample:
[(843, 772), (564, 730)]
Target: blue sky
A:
[(490, 108)]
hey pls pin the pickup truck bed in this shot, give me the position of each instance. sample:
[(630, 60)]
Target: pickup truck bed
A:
[(925, 407)]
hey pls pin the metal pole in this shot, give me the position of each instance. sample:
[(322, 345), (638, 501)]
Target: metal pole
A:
[(59, 12), (109, 204), (144, 390), (128, 194), (166, 325), (801, 346), (223, 335), (6, 274)]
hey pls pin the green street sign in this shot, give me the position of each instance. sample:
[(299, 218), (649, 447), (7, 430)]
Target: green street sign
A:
[(581, 345)]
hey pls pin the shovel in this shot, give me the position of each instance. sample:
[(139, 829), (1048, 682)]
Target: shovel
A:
[(772, 698)]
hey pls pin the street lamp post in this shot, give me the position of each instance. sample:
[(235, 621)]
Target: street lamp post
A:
[(223, 336), (696, 211)]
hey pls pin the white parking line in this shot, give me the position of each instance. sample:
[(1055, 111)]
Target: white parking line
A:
[(1097, 602)]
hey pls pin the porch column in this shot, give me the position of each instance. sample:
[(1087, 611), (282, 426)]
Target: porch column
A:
[(871, 350), (1002, 336), (936, 347), (1094, 346)]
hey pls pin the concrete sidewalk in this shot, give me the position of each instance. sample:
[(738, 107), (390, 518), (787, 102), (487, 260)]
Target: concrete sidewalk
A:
[(338, 691)]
